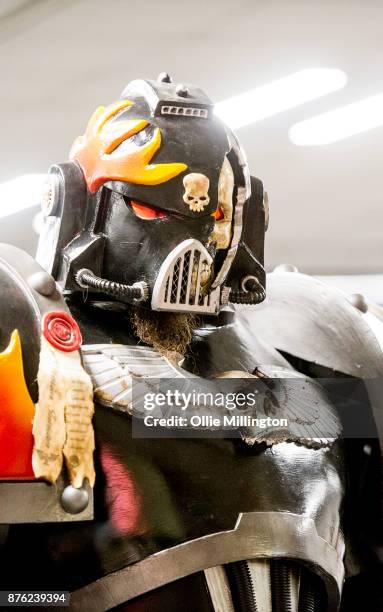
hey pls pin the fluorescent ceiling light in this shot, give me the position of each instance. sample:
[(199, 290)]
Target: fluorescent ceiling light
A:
[(340, 123), (279, 96), (20, 193)]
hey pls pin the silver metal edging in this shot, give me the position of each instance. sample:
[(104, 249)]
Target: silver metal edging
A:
[(256, 535)]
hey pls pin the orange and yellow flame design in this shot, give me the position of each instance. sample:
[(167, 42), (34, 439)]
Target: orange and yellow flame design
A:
[(95, 151), (16, 415)]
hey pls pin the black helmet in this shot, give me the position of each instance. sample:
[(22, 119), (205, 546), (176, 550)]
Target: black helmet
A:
[(157, 206)]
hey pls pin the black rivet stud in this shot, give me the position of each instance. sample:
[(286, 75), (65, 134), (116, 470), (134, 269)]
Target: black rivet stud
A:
[(43, 283), (164, 77), (359, 302), (74, 500), (182, 91)]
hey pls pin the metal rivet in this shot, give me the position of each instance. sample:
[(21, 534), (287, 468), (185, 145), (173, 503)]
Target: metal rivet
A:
[(182, 91), (286, 268), (359, 302), (43, 283), (164, 77), (249, 283), (74, 500)]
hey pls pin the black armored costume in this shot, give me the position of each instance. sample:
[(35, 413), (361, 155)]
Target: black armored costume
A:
[(150, 265)]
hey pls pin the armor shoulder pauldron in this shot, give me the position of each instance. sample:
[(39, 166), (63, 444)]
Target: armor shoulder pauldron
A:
[(29, 297), (307, 319)]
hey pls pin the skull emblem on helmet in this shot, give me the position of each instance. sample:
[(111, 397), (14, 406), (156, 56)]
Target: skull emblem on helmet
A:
[(196, 191)]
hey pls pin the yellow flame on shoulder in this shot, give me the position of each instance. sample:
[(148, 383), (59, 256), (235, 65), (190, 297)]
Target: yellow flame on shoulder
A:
[(95, 151), (14, 395), (16, 413)]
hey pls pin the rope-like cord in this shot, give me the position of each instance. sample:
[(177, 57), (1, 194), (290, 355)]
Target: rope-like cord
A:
[(138, 291), (247, 297)]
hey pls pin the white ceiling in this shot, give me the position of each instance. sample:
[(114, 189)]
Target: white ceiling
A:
[(59, 60)]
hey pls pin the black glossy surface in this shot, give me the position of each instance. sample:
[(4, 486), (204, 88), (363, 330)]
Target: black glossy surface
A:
[(181, 490), (18, 311), (135, 248), (100, 232)]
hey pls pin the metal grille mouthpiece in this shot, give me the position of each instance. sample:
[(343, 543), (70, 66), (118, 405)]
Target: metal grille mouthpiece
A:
[(182, 281)]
